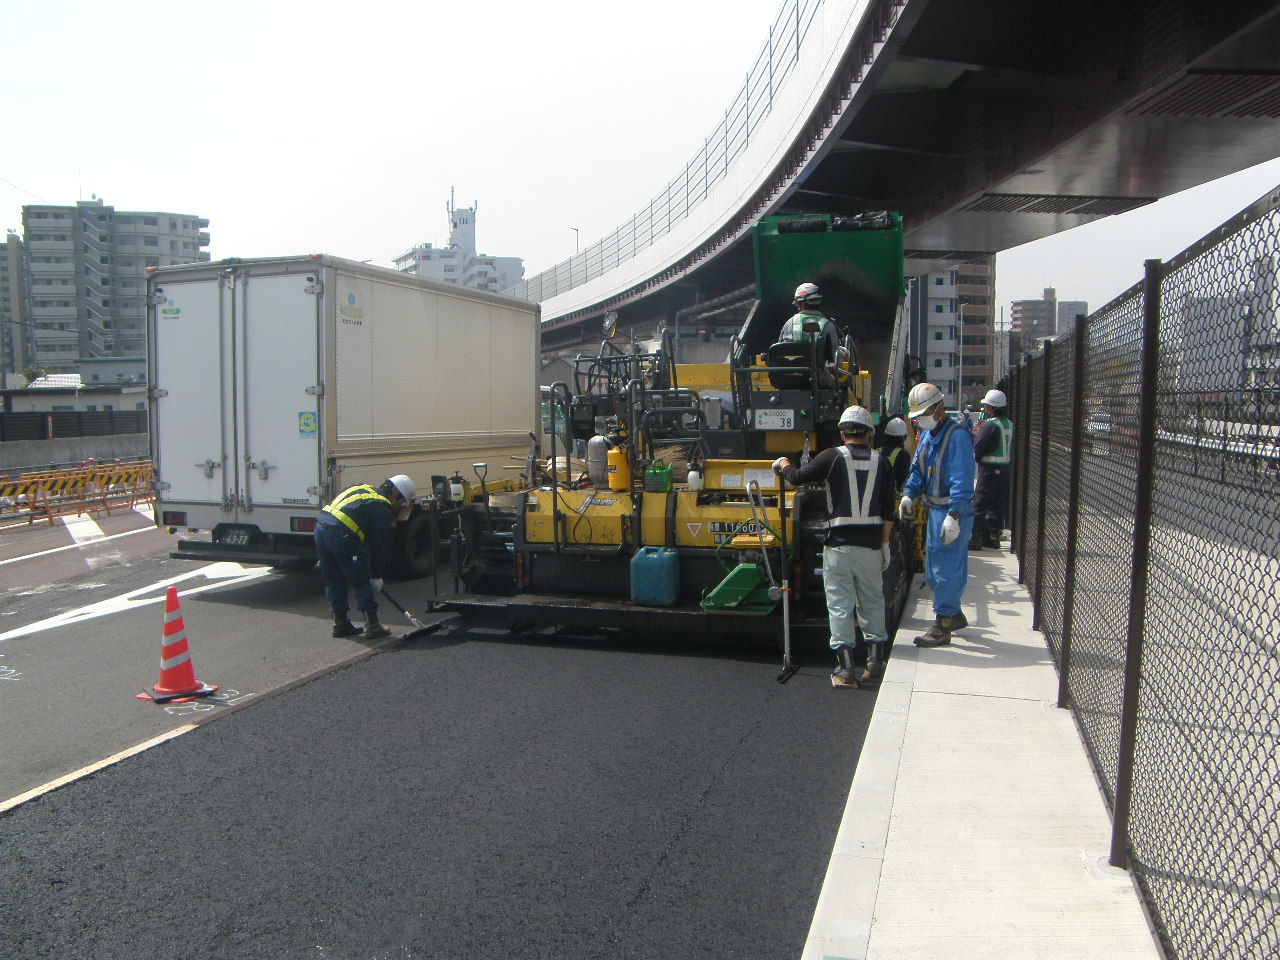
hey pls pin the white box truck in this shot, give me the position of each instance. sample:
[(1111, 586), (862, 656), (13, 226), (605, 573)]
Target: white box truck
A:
[(277, 383)]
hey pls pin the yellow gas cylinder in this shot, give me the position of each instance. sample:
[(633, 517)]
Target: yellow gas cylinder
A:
[(619, 469)]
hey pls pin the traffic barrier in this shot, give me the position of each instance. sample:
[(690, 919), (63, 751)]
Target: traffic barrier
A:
[(177, 683), (93, 488)]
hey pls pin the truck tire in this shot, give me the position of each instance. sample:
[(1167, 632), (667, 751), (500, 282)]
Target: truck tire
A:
[(413, 554)]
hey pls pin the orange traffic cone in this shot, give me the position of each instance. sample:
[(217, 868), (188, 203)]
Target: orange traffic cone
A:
[(177, 677)]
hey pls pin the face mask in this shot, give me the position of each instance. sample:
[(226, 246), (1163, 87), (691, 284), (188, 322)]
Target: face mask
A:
[(926, 422)]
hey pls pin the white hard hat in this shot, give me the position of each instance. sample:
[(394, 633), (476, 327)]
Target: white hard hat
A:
[(995, 398), (857, 415), (921, 398), (404, 485), (808, 293), (895, 428)]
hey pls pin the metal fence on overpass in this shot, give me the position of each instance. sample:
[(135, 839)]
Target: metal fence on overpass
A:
[(1146, 519), (753, 102)]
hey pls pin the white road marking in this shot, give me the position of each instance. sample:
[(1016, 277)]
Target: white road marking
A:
[(93, 767), (223, 574), (83, 528), (76, 546)]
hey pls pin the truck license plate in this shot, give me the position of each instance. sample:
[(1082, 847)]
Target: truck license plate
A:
[(775, 419), (235, 537)]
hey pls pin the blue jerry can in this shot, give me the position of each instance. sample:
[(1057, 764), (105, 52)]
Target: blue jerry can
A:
[(655, 577)]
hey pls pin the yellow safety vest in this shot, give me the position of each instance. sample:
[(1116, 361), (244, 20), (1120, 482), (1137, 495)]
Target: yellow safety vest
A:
[(351, 495)]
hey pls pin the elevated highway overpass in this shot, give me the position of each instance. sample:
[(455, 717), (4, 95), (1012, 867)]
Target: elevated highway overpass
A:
[(986, 124)]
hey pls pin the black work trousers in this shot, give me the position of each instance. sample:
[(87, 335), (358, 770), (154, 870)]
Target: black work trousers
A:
[(990, 500)]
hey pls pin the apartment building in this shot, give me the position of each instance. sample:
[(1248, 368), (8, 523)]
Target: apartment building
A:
[(86, 266), (15, 310), (458, 262), (953, 330)]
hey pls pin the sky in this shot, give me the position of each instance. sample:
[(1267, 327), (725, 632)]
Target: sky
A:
[(331, 127)]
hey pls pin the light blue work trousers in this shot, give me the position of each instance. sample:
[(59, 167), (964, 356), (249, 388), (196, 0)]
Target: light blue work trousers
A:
[(946, 565), (855, 588)]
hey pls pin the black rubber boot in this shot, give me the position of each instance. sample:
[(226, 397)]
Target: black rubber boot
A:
[(875, 663), (342, 626), (845, 675), (373, 630)]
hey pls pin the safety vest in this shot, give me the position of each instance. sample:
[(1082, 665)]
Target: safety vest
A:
[(867, 507), (892, 457), (933, 485), (1000, 456), (352, 495), (794, 332)]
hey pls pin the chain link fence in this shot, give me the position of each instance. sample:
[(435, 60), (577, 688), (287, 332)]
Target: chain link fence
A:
[(1147, 524)]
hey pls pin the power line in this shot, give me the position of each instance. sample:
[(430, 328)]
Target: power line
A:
[(27, 192)]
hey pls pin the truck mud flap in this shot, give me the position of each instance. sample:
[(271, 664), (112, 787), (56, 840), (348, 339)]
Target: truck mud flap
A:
[(685, 622)]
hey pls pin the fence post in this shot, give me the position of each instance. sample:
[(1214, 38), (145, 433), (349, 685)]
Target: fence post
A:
[(1045, 391), (1147, 383), (1024, 468), (1073, 505)]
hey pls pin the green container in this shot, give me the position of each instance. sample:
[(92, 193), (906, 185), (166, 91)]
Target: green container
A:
[(657, 479)]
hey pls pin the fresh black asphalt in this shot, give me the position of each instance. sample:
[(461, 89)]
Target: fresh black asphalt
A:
[(458, 796)]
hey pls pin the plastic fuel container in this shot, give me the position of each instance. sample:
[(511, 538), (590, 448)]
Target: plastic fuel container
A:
[(655, 577)]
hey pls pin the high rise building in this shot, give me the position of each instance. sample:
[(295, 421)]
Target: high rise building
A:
[(458, 262), (15, 309), (87, 265), (1034, 320), (953, 331)]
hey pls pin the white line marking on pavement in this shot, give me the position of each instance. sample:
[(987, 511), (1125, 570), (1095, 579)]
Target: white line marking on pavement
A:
[(83, 528), (76, 546), (93, 768), (223, 573)]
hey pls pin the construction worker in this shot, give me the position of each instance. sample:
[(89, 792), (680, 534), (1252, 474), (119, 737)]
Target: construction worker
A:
[(891, 448), (353, 542), (810, 323), (942, 473), (860, 504), (993, 449)]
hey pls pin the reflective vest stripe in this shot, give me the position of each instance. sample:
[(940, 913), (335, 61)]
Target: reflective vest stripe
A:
[(1000, 456), (933, 496), (353, 495), (867, 507)]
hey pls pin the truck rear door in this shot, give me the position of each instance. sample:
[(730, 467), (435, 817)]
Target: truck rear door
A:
[(236, 414)]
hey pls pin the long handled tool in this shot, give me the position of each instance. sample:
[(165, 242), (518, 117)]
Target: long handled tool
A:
[(788, 668), (418, 624)]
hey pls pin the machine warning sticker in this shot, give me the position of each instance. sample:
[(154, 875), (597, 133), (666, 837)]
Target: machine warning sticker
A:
[(694, 529), (307, 423)]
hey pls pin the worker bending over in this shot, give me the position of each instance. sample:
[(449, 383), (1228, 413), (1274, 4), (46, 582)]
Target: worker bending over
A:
[(942, 473), (353, 542), (860, 504)]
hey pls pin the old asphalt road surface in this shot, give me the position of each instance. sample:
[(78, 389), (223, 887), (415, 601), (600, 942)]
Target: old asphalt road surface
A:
[(457, 796)]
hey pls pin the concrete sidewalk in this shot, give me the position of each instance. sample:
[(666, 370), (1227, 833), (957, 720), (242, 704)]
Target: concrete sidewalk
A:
[(974, 827)]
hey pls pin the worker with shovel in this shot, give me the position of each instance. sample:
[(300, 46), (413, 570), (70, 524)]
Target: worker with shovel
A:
[(353, 542)]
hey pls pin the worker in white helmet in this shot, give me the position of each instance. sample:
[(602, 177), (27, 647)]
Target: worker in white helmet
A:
[(993, 449), (353, 542), (942, 472), (860, 505), (810, 323), (892, 449)]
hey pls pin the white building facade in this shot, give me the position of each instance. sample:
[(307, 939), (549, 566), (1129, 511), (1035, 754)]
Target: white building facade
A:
[(458, 262)]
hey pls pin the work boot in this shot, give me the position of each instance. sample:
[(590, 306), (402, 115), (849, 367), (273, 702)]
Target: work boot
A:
[(845, 675), (937, 635), (373, 630), (952, 622), (875, 663), (342, 626)]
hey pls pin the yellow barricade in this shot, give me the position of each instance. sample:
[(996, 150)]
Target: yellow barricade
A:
[(55, 493)]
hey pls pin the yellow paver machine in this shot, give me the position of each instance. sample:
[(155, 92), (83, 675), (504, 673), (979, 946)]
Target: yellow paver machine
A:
[(656, 511)]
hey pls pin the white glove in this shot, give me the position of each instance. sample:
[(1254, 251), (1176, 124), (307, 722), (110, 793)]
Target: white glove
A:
[(376, 583), (780, 463), (885, 558), (906, 509), (950, 529)]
